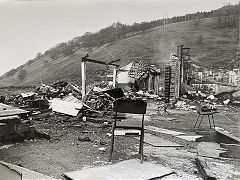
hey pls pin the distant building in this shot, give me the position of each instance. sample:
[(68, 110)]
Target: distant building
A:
[(149, 80)]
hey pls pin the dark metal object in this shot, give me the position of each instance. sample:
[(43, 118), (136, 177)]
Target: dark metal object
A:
[(134, 107)]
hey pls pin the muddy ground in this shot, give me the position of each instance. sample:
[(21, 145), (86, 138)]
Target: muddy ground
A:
[(66, 151)]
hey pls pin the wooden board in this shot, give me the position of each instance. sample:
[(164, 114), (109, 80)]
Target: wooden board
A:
[(164, 131), (12, 112), (130, 169), (157, 141)]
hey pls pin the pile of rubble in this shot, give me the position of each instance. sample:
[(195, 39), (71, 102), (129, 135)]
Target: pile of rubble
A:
[(60, 99), (64, 99), (188, 101)]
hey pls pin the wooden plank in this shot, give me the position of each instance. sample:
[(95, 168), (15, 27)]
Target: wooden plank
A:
[(130, 169), (164, 131), (12, 112)]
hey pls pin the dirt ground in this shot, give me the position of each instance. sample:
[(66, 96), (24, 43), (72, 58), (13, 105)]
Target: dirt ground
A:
[(66, 152)]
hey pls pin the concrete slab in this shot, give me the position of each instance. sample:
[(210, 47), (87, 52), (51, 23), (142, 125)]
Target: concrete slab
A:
[(190, 138), (164, 131), (157, 141), (26, 173), (233, 150), (226, 137), (217, 169), (209, 149), (130, 169)]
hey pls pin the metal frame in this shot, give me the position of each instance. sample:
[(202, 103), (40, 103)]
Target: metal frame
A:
[(83, 71)]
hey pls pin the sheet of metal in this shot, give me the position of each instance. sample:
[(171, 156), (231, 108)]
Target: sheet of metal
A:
[(65, 107)]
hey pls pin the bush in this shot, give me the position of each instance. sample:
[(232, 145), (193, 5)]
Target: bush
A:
[(22, 74)]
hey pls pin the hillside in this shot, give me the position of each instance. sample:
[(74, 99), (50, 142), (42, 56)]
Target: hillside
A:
[(210, 46)]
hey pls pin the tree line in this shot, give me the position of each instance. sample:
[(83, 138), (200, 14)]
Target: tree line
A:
[(226, 16)]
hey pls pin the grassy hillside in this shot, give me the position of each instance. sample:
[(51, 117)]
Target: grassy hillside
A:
[(210, 46)]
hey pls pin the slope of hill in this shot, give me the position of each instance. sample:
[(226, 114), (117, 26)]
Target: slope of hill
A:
[(210, 46)]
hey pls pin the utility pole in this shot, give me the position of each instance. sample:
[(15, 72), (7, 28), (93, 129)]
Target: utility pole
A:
[(83, 66), (183, 55)]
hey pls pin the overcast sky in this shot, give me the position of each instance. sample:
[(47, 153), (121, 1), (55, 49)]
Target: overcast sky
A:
[(31, 26)]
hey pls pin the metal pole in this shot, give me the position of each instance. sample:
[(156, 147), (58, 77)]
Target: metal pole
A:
[(114, 76), (83, 78)]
